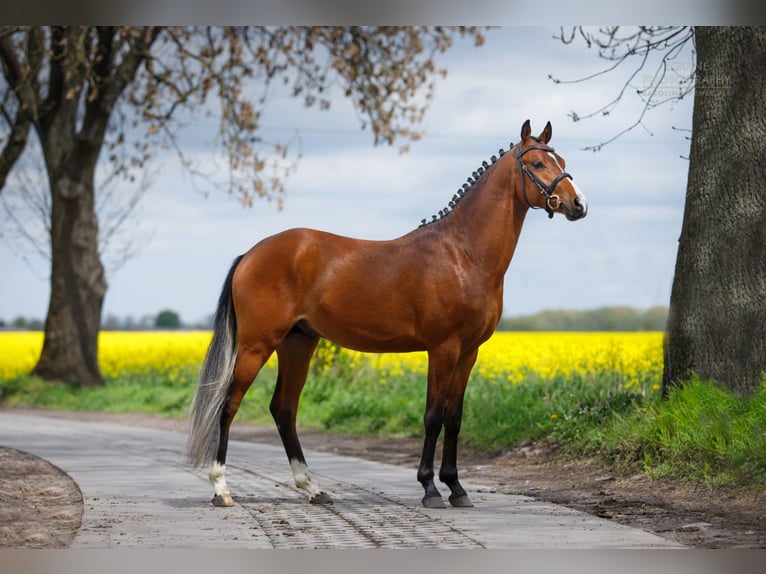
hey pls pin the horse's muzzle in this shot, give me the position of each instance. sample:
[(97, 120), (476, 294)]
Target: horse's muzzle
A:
[(578, 209)]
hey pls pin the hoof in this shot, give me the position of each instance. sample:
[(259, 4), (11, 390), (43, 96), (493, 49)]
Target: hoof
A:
[(461, 501), (321, 498), (433, 502), (224, 500)]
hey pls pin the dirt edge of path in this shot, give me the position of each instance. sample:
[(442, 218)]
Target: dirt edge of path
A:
[(40, 505)]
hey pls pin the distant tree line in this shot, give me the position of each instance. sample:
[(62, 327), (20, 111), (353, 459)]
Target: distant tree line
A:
[(21, 323), (601, 319), (167, 319)]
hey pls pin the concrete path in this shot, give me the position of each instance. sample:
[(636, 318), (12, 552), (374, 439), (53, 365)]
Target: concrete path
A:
[(138, 493)]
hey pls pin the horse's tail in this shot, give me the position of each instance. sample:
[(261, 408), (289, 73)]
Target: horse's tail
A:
[(215, 377)]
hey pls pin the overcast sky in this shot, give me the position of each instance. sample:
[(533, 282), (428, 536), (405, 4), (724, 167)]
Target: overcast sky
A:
[(622, 253)]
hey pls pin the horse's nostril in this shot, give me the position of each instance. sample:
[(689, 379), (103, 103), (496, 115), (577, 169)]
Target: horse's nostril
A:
[(579, 207)]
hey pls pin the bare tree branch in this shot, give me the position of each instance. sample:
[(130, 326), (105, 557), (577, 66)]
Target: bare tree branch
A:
[(115, 209), (14, 146), (27, 209), (645, 41)]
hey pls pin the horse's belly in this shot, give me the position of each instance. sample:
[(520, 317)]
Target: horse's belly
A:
[(368, 334)]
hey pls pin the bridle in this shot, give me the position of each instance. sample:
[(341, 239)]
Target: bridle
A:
[(552, 202)]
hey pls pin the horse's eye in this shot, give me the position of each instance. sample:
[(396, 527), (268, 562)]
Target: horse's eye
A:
[(537, 165)]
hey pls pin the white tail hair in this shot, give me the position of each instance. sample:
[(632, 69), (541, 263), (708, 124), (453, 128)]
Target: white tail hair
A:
[(214, 380)]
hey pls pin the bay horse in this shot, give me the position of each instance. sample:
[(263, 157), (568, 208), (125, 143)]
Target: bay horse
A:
[(437, 289)]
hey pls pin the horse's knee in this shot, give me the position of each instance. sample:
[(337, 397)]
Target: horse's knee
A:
[(452, 423), (432, 420)]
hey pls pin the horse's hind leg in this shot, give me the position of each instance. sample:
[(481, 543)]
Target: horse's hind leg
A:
[(248, 365), (294, 355)]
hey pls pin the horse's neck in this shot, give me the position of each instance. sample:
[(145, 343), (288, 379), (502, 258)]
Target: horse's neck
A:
[(489, 224)]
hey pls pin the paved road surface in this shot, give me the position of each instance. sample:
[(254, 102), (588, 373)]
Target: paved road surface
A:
[(138, 493)]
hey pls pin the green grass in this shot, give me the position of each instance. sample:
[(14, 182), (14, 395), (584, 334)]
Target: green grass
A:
[(700, 433), (148, 394)]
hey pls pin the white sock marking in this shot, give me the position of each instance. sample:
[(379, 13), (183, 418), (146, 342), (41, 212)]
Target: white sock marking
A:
[(303, 479), (218, 477)]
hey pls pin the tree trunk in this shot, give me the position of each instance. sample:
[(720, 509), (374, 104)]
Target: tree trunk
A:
[(87, 71), (717, 322), (78, 281)]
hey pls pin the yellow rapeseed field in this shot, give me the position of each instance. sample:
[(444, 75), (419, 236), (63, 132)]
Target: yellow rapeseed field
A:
[(512, 357), (120, 353), (635, 358)]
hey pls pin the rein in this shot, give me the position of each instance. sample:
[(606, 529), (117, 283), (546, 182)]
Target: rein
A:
[(552, 201)]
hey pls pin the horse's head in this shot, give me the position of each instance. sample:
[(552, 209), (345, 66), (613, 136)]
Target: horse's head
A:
[(543, 181)]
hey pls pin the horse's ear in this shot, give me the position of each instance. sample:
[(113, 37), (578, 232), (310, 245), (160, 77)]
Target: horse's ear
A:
[(526, 130), (545, 136)]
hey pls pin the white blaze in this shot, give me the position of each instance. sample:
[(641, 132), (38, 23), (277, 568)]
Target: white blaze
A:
[(580, 194)]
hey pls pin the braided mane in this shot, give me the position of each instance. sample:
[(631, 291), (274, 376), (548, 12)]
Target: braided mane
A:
[(467, 187)]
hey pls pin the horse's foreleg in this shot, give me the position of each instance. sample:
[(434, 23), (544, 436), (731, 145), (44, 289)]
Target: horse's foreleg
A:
[(441, 364), (294, 354), (432, 421), (246, 369), (452, 420), (448, 471)]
